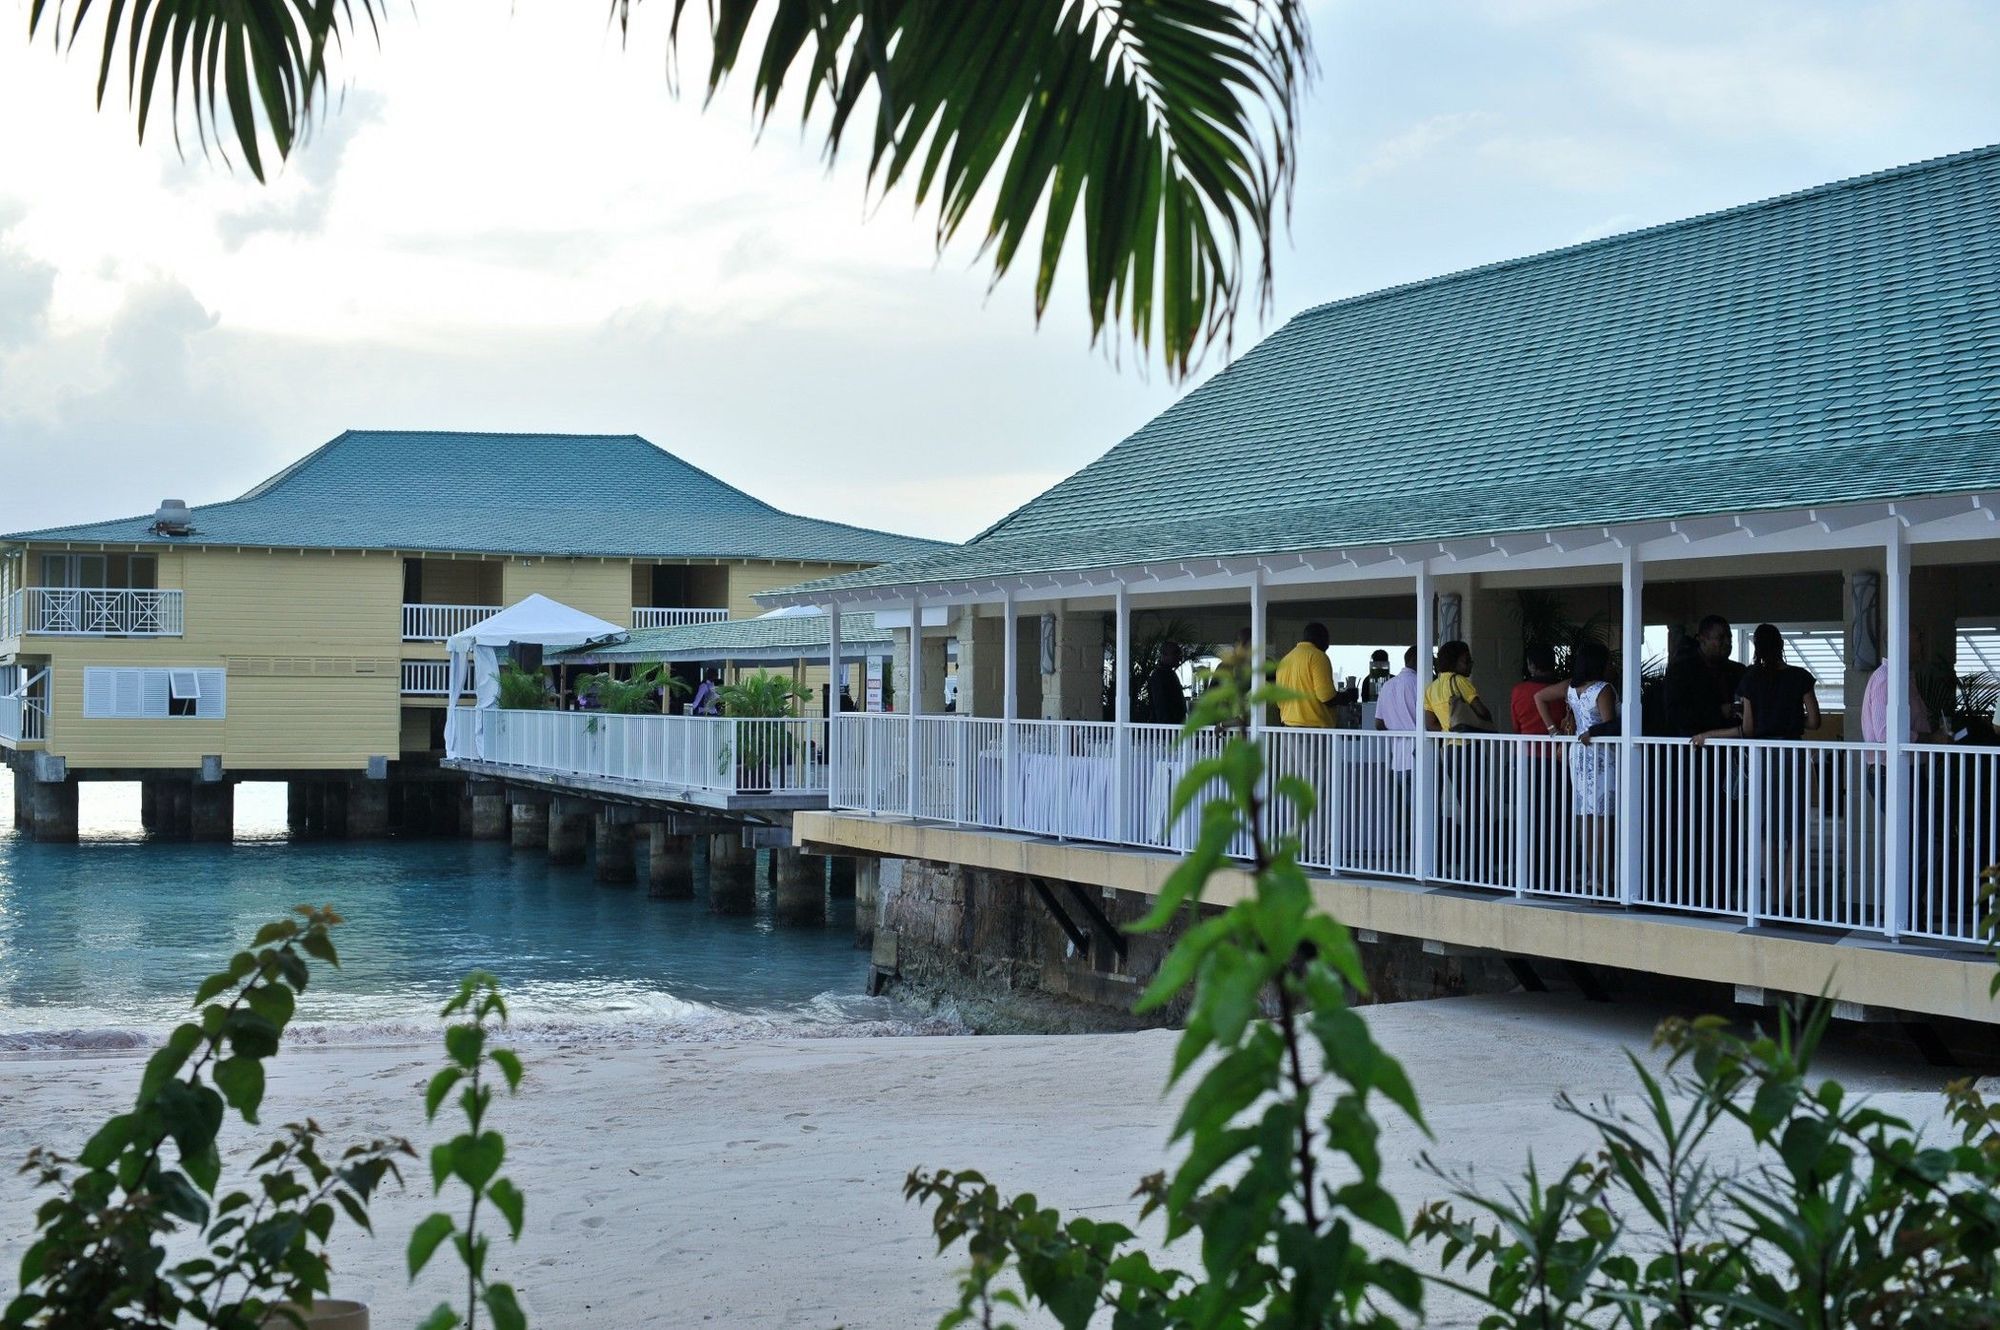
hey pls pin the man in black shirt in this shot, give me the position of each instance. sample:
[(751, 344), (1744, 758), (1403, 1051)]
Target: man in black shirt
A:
[(1701, 692), (1166, 703)]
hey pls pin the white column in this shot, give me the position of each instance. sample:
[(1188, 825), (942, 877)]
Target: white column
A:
[(916, 686), (1423, 813), (836, 675), (1259, 607), (1010, 703), (1896, 660), (1632, 631), (1121, 711)]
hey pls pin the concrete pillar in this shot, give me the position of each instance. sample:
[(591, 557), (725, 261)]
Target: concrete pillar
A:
[(149, 807), (569, 837), (367, 810), (614, 851), (1076, 690), (732, 875), (867, 898), (935, 655), (841, 875), (333, 808), (981, 657), (798, 887), (173, 808), (489, 817), (302, 808), (211, 811), (529, 826), (52, 811), (670, 863), (23, 799)]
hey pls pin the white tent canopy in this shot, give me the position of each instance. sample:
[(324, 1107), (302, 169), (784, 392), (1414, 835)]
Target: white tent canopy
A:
[(536, 619)]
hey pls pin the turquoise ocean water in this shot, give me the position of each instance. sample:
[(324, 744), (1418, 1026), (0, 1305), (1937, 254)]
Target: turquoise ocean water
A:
[(103, 942)]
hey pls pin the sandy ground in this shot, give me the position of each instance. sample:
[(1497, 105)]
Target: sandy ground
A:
[(758, 1184)]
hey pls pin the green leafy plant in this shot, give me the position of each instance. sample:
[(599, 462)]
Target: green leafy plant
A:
[(524, 690), (638, 695), (762, 695), (473, 1157), (1845, 1218), (150, 1176), (1281, 1170)]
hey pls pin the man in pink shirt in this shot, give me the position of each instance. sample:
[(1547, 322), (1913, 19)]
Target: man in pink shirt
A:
[(1875, 712)]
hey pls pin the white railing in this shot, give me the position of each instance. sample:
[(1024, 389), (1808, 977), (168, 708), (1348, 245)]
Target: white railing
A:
[(24, 712), (435, 623), (652, 616), (717, 754), (1788, 833), (1954, 836), (92, 612), (426, 678)]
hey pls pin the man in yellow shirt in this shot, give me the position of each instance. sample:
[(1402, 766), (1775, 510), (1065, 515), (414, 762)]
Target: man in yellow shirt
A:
[(1307, 672)]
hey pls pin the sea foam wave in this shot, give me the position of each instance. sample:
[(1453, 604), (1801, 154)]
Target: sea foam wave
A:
[(665, 1020)]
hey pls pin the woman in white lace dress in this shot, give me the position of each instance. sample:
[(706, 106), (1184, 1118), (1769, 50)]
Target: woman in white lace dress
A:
[(1590, 704)]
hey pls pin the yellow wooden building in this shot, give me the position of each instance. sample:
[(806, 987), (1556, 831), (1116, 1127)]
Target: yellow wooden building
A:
[(300, 628)]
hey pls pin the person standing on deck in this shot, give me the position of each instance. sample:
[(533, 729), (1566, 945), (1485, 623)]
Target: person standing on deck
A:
[(1541, 662), (1307, 672), (1702, 699), (1166, 701)]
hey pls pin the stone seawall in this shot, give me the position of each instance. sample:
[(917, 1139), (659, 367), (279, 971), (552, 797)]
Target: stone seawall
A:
[(1010, 952)]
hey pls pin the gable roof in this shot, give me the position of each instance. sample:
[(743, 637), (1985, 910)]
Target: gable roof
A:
[(547, 494), (1835, 345), (780, 636)]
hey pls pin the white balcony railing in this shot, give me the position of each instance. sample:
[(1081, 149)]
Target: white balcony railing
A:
[(1790, 833), (435, 623), (709, 753), (92, 612), (648, 616), (24, 711), (426, 678)]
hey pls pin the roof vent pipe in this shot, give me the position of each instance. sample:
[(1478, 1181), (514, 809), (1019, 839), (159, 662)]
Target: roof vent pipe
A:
[(174, 518)]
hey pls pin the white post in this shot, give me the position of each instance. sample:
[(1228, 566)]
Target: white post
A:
[(915, 683), (1896, 824), (1258, 647), (1631, 641), (836, 675), (1010, 703), (1423, 816), (1121, 711)]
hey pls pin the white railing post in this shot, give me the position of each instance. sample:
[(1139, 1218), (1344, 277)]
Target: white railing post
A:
[(836, 684), (1525, 798), (1121, 714), (1258, 647), (915, 685), (1752, 865), (1631, 640), (1010, 706), (1423, 813), (1897, 832)]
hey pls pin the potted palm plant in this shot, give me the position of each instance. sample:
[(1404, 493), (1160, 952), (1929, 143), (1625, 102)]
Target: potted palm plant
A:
[(760, 751)]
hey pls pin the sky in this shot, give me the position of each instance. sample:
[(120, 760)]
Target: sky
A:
[(510, 222)]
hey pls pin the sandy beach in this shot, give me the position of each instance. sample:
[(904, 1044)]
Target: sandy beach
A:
[(758, 1183)]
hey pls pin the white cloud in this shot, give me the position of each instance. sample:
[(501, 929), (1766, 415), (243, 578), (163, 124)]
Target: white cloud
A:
[(1419, 142)]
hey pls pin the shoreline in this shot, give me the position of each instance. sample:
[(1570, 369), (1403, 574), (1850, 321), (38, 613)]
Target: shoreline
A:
[(758, 1182)]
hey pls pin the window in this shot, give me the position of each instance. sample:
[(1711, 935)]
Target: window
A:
[(152, 694)]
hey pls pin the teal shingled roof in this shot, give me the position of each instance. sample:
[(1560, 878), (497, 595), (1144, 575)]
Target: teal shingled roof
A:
[(791, 636), (1836, 345), (548, 494)]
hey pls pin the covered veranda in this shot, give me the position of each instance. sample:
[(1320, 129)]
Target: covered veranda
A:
[(1884, 838)]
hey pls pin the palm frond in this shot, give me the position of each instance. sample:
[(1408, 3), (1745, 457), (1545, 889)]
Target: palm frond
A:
[(258, 67), (1153, 136)]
